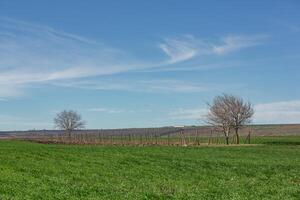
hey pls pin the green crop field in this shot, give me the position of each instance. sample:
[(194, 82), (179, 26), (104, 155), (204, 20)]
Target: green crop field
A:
[(269, 170)]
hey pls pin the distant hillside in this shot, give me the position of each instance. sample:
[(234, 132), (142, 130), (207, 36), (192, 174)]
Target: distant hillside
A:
[(262, 130), (276, 129)]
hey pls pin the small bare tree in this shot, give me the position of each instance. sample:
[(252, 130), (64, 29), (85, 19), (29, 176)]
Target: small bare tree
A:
[(69, 121), (229, 112), (241, 113), (218, 116)]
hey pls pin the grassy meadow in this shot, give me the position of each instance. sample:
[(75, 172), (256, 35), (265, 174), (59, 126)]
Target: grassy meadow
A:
[(269, 170)]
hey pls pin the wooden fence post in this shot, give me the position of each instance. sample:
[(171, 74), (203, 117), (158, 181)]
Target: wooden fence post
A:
[(210, 137), (249, 136), (197, 137)]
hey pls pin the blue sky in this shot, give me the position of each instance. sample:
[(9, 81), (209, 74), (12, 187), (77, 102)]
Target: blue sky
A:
[(146, 63)]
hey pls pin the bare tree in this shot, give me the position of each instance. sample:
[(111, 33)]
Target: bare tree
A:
[(69, 121), (218, 116), (229, 112), (241, 113)]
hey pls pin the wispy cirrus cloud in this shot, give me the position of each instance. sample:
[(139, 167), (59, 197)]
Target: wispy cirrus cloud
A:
[(40, 30), (107, 110), (187, 47), (234, 43), (33, 54), (180, 49), (156, 86)]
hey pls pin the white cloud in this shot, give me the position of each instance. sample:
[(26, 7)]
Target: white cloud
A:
[(172, 86), (179, 49), (156, 86), (234, 43), (278, 112), (37, 29), (188, 47), (106, 110)]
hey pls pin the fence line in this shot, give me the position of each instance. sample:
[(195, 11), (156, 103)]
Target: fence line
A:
[(159, 137)]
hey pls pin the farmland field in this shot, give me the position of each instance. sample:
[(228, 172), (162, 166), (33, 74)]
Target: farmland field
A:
[(268, 170)]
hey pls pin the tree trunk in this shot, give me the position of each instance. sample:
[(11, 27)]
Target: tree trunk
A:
[(227, 137), (237, 136), (227, 140)]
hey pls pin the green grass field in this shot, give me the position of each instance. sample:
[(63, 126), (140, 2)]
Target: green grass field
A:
[(270, 170)]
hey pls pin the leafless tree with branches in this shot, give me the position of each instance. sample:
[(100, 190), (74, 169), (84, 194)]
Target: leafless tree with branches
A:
[(229, 112), (218, 116), (241, 113), (69, 121)]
